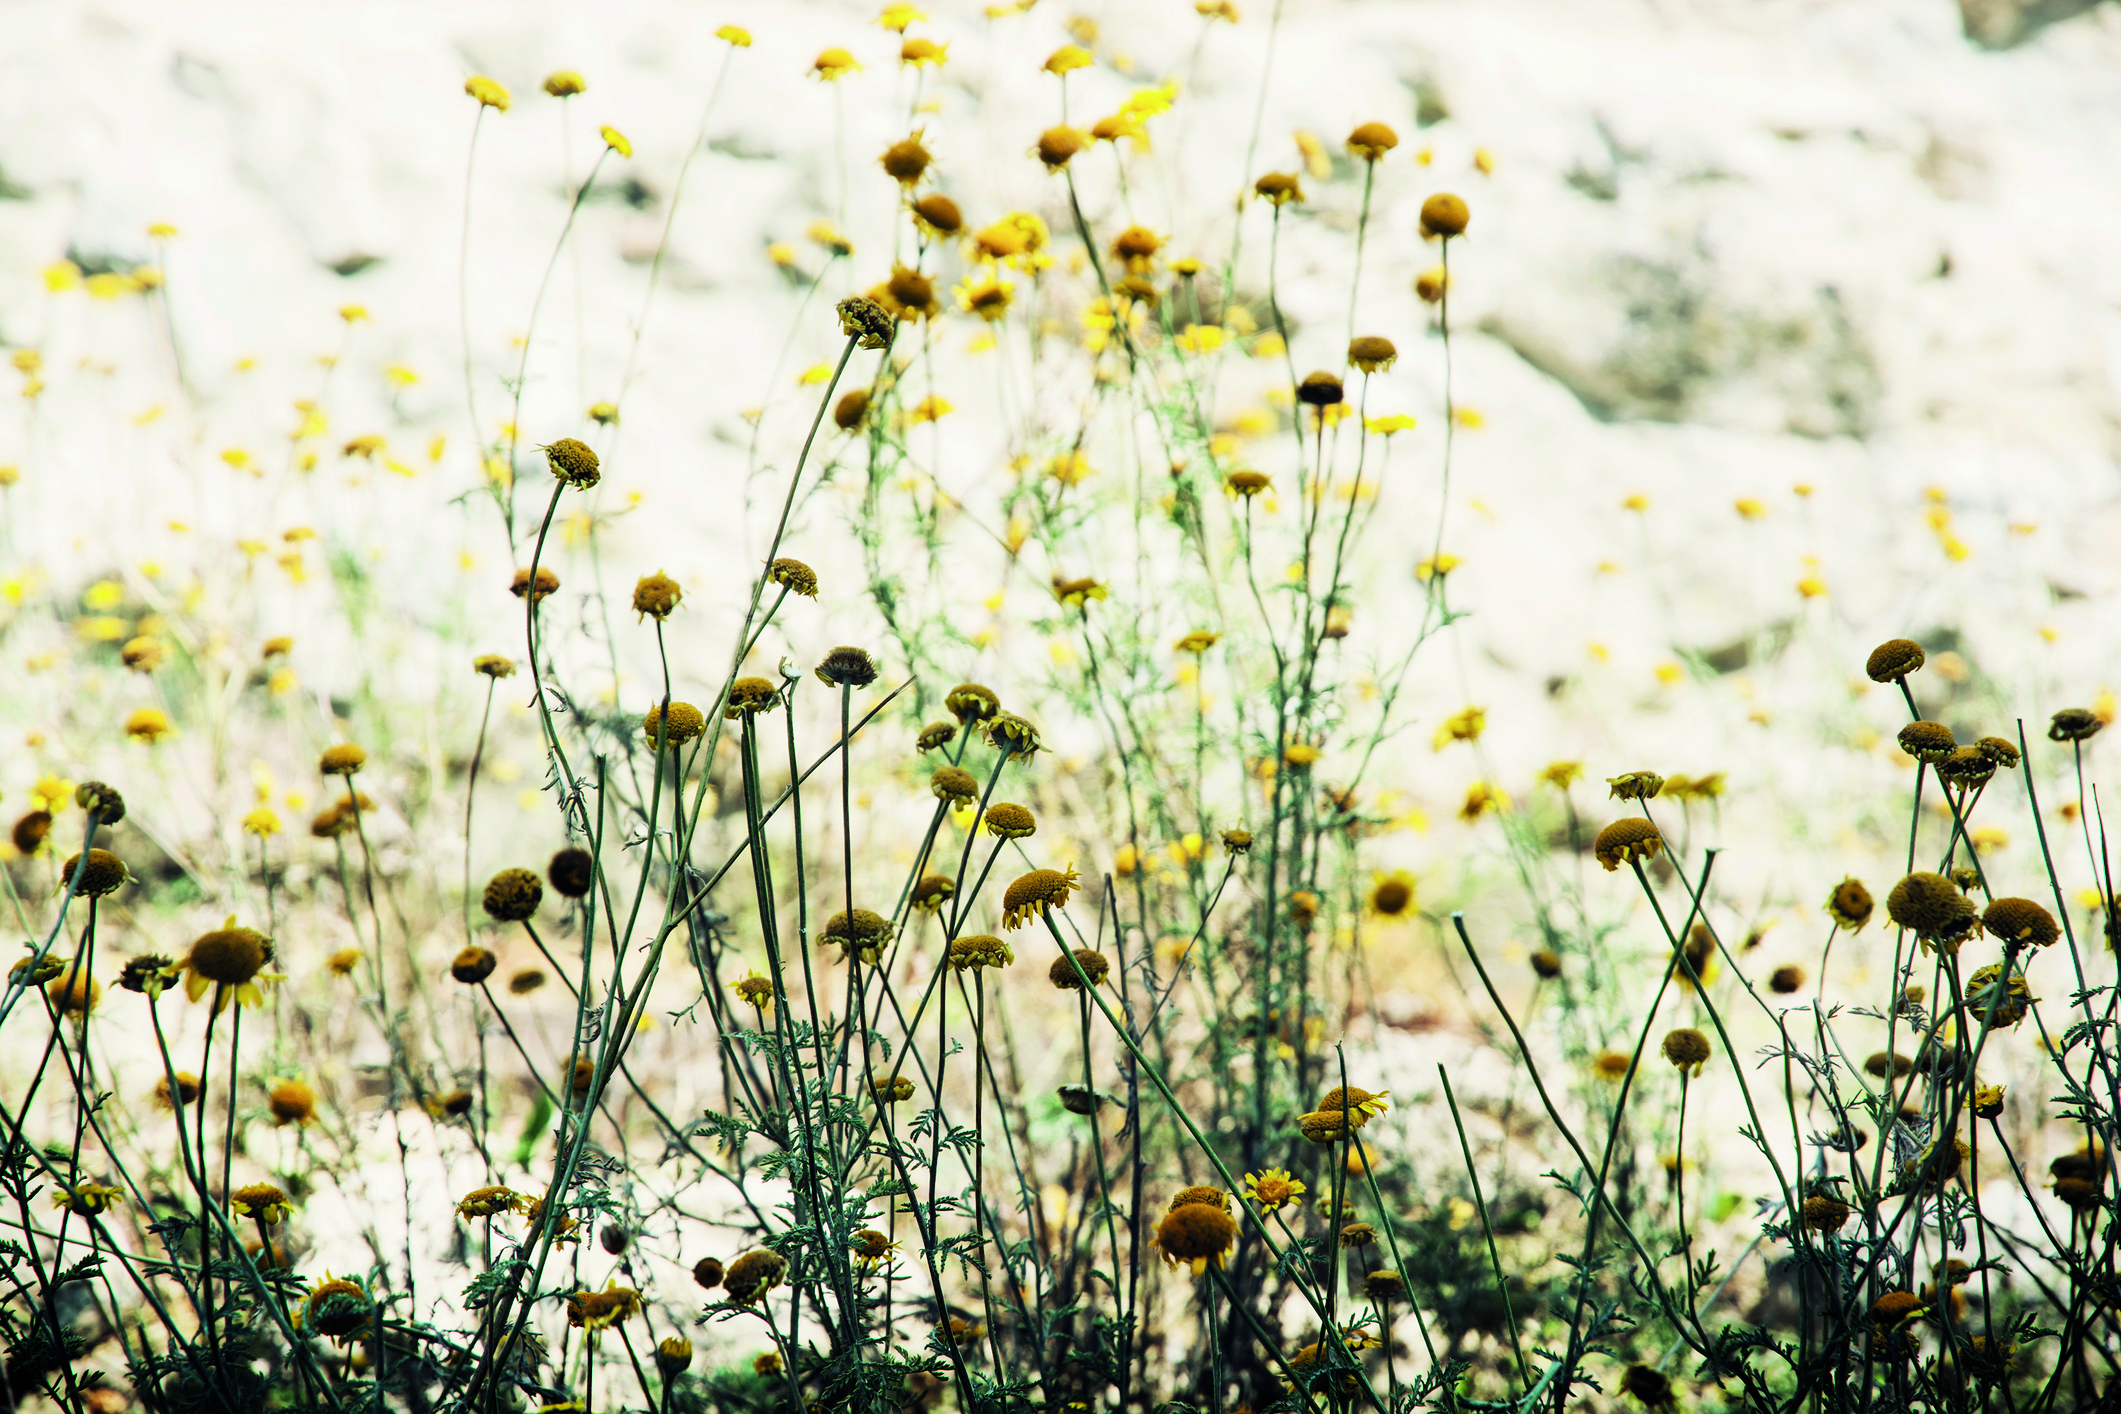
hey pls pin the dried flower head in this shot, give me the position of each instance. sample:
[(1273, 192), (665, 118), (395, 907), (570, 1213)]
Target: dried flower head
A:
[(1927, 741), (1893, 660), (31, 831), (547, 581), (1372, 353), (1824, 1214), (793, 575), (1930, 906), (600, 1310), (860, 932), (686, 723), (2002, 752), (1546, 963), (513, 895), (1070, 968), (571, 871), (1033, 893), (848, 412), (473, 965), (1013, 735), (573, 462), (1786, 979), (1320, 390), (865, 321), (1686, 1049), (954, 784), (932, 891), (1966, 767), (1444, 215), (104, 874), (2009, 999), (344, 961), (655, 595), (980, 950), (1634, 785), (522, 983), (1624, 840), (2074, 724), (1278, 188), (935, 736), (971, 702), (1850, 904), (754, 1274), (847, 667), (750, 696), (2020, 920), (1196, 1233), (708, 1273)]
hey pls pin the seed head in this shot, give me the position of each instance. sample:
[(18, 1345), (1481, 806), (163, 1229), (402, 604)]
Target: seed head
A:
[(474, 964), (1927, 741), (1037, 891), (548, 581), (1320, 390), (865, 321), (513, 895), (573, 462), (655, 595), (1058, 146), (1372, 353), (1626, 839), (686, 722), (571, 871), (2020, 920), (2074, 724), (1444, 215), (1062, 973), (1278, 188), (1850, 904), (1686, 1047), (344, 759)]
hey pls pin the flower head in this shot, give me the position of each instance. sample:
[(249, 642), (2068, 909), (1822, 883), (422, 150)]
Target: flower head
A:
[(1013, 735), (972, 702), (102, 875), (2020, 920), (655, 595), (565, 83), (1272, 1189), (263, 1201), (572, 872), (1278, 188), (1686, 1049), (86, 1200), (1070, 968), (573, 462), (1444, 215), (615, 140), (1057, 147), (906, 160), (934, 737), (832, 65), (1371, 141), (861, 931), (978, 951), (548, 580), (2074, 724), (793, 576), (1893, 660), (1035, 892), (847, 667), (1986, 989), (1626, 839), (1634, 785), (338, 1308), (597, 1310), (1850, 904), (686, 723), (1371, 353), (1010, 821), (292, 1102), (473, 965), (754, 1274), (1196, 1233), (954, 784), (1932, 908), (345, 759), (490, 94), (868, 323), (232, 961), (750, 696), (513, 895), (1927, 741)]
